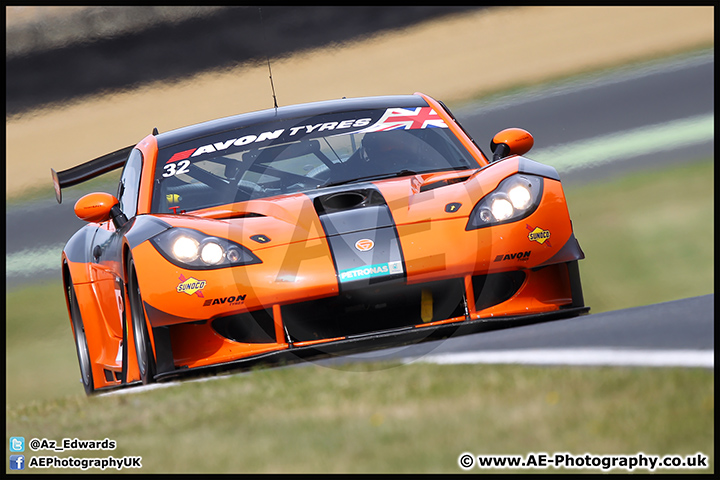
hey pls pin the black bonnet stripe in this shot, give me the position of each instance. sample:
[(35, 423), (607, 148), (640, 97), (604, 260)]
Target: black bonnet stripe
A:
[(362, 236)]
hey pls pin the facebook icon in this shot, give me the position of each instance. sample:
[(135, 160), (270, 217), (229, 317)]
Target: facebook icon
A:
[(17, 462)]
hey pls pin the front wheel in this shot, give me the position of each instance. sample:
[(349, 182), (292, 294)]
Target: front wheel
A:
[(143, 347), (81, 345)]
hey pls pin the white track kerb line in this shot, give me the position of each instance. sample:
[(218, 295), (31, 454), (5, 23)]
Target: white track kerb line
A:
[(579, 356), (32, 260), (641, 141)]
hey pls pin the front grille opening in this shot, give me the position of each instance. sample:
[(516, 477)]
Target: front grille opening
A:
[(374, 309), (496, 288), (251, 327)]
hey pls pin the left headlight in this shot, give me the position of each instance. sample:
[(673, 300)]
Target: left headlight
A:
[(194, 250), (514, 198)]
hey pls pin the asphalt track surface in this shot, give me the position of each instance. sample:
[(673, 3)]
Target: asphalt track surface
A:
[(598, 106), (673, 328)]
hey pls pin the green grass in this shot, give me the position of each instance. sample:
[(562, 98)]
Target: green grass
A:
[(648, 238), (39, 351), (411, 418)]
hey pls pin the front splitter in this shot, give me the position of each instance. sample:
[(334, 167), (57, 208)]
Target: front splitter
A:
[(370, 342)]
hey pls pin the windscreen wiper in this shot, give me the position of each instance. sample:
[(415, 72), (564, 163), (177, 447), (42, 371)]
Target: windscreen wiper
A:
[(401, 173)]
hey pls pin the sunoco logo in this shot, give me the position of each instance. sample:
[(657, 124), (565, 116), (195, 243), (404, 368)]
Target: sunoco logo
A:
[(538, 235), (191, 286)]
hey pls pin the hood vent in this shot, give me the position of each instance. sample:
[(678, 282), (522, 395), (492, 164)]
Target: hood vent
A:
[(225, 215), (344, 200), (442, 183), (347, 200)]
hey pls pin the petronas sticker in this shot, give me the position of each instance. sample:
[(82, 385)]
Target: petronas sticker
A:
[(370, 271), (395, 267)]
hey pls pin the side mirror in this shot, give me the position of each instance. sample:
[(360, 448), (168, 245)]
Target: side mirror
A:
[(511, 141), (98, 208)]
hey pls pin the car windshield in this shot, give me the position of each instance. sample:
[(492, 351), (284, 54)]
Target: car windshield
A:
[(301, 154)]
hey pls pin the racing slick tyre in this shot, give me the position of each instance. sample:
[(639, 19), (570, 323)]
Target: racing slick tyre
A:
[(143, 348), (81, 345)]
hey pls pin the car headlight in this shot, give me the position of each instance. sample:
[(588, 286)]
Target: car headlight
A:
[(194, 250), (515, 198)]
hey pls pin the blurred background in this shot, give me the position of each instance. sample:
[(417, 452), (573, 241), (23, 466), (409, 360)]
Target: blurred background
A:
[(54, 54), (84, 81)]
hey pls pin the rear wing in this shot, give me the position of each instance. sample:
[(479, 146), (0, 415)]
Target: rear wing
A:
[(88, 170)]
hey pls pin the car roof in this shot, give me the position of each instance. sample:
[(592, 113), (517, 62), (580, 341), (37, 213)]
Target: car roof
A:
[(300, 110)]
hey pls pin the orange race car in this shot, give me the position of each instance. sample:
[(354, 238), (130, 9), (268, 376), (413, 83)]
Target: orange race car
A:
[(310, 230)]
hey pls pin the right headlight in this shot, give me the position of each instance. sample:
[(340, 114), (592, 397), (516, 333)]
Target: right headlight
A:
[(515, 198)]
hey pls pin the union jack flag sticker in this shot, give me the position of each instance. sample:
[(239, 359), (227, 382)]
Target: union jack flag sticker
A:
[(407, 119)]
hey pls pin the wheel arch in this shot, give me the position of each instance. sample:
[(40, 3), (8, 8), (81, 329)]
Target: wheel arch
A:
[(133, 366), (130, 365), (91, 328)]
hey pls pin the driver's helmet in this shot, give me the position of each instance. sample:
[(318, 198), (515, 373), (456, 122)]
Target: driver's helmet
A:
[(387, 150)]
